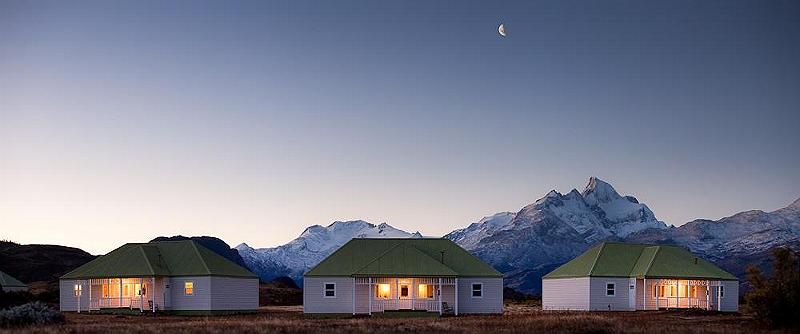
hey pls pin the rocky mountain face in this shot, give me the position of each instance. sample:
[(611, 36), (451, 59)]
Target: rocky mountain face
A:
[(553, 230), (314, 244)]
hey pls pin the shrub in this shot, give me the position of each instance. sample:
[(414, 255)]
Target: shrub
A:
[(16, 298), (35, 313), (776, 300)]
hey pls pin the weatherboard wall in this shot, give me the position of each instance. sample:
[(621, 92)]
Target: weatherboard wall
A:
[(199, 300), (598, 301), (565, 293), (68, 302), (315, 302), (234, 293), (490, 302)]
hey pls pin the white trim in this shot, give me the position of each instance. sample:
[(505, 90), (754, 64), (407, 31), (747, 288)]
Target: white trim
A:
[(325, 290), (472, 289), (613, 288)]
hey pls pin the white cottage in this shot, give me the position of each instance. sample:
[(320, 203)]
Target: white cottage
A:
[(175, 276), (628, 277), (367, 276)]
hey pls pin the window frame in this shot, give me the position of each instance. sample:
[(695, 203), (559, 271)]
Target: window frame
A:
[(77, 290), (472, 290), (613, 289), (378, 291), (325, 289), (185, 293), (721, 291)]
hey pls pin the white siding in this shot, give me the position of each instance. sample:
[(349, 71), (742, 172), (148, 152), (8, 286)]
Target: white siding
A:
[(565, 293), (314, 302), (199, 300), (730, 300), (68, 302), (598, 301), (491, 302), (230, 293)]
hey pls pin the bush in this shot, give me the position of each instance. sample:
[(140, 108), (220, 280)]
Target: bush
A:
[(35, 313), (776, 300), (16, 298)]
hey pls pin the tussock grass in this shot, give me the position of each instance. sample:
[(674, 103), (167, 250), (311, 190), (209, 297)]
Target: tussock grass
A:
[(518, 318)]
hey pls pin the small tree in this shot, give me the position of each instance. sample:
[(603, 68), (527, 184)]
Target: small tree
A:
[(776, 300)]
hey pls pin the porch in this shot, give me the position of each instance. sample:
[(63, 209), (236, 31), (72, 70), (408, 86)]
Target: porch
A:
[(680, 293), (115, 293), (428, 294)]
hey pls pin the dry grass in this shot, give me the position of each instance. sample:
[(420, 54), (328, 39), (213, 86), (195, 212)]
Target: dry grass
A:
[(518, 318)]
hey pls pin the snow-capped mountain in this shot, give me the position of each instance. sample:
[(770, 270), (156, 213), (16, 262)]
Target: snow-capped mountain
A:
[(549, 232), (314, 244), (553, 230)]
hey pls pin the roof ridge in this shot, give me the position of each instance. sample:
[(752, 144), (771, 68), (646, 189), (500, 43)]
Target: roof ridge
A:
[(147, 259), (594, 263), (649, 265), (377, 257), (435, 260), (202, 259)]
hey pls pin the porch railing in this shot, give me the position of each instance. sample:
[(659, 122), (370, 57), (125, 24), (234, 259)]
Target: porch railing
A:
[(116, 302)]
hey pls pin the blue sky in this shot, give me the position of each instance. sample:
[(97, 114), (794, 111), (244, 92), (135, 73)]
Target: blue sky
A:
[(121, 121)]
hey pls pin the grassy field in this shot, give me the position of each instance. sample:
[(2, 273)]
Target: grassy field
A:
[(518, 318)]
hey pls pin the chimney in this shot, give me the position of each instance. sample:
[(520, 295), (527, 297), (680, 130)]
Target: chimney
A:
[(442, 256), (695, 260)]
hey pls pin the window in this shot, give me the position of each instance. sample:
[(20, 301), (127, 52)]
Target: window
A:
[(404, 291), (693, 291), (721, 291), (383, 291), (673, 291), (426, 290), (658, 291), (188, 288), (611, 289), (330, 290), (78, 289), (105, 291), (138, 289), (477, 290)]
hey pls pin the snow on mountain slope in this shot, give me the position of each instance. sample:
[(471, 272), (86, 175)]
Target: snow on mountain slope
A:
[(312, 246), (470, 236)]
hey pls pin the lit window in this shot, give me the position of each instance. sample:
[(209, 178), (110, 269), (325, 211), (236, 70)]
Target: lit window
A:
[(188, 288), (330, 290), (138, 288), (426, 291), (383, 291), (611, 289), (477, 290), (78, 290), (105, 291)]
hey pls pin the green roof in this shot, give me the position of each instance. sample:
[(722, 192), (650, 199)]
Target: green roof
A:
[(9, 281), (614, 259), (392, 257), (162, 258)]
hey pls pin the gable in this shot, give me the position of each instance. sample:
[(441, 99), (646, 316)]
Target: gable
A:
[(402, 257), (613, 259), (167, 258), (7, 280)]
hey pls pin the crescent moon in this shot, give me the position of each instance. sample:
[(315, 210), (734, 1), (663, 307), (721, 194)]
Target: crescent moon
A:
[(502, 30)]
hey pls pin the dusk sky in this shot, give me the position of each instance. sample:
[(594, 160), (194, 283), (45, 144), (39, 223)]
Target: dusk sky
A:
[(121, 121)]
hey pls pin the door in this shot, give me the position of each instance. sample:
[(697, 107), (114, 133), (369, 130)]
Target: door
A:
[(167, 294), (405, 297), (632, 294)]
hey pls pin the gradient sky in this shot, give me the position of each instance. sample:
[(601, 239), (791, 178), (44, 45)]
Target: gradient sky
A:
[(125, 120)]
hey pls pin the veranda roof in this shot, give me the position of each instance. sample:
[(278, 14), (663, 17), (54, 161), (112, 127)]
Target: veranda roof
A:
[(615, 259), (393, 257), (8, 281), (162, 258)]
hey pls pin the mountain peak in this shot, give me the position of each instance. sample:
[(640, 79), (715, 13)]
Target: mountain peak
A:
[(600, 191)]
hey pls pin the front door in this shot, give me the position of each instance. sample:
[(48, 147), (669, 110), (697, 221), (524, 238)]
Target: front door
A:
[(405, 297), (632, 294)]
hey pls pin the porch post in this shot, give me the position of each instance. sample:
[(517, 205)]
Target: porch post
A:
[(120, 292), (141, 296), (677, 293), (153, 294), (440, 296), (456, 299), (719, 296), (370, 296), (79, 293), (412, 293), (89, 309), (354, 296), (708, 295), (644, 294)]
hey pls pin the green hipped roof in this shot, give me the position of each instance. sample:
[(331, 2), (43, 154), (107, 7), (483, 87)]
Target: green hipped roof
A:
[(420, 257), (614, 259), (8, 281), (162, 258)]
